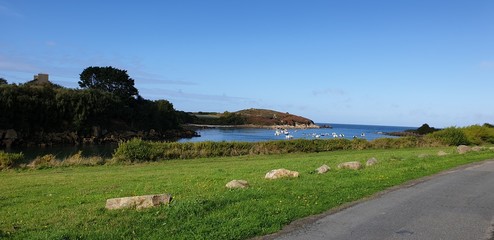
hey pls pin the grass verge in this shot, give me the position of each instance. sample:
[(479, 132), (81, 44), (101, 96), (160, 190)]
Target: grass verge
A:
[(68, 202)]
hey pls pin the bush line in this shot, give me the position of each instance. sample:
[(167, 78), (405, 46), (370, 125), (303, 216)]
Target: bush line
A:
[(137, 150)]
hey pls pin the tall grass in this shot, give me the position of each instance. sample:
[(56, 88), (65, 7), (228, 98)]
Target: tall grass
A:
[(137, 150), (17, 160)]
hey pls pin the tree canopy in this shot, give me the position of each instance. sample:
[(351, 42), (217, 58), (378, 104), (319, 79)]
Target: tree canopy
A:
[(3, 81), (36, 110), (109, 79)]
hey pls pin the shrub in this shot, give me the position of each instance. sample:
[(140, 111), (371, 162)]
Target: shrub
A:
[(135, 150), (451, 136), (360, 144), (8, 160), (336, 144), (382, 143), (479, 134), (409, 142)]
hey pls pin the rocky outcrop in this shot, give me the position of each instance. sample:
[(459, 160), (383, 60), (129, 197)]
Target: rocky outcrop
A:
[(264, 117), (350, 165), (237, 184), (138, 202), (281, 173)]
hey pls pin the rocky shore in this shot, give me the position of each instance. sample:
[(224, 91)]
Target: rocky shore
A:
[(11, 137)]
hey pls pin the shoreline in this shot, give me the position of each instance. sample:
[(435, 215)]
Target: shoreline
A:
[(298, 126)]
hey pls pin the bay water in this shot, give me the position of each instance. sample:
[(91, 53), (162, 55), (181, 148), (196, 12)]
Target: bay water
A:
[(348, 131)]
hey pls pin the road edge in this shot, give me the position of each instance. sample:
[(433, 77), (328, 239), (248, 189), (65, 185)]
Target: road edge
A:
[(300, 223)]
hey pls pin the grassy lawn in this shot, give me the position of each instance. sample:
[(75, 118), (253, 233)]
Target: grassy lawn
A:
[(68, 202)]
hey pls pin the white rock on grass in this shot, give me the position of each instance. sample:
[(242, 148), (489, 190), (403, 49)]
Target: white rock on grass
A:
[(462, 149), (442, 153), (237, 184), (281, 173), (323, 169), (477, 148), (371, 161), (138, 202), (350, 165)]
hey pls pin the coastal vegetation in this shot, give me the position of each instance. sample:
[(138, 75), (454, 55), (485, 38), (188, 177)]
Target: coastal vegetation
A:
[(69, 202), (226, 118), (106, 104), (137, 150)]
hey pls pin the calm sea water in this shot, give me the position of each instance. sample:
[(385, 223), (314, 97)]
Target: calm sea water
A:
[(347, 131)]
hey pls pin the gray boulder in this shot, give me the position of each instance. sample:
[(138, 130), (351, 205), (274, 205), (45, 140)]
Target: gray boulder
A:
[(371, 161), (237, 184), (281, 173), (442, 153), (462, 149), (138, 202), (323, 169), (350, 165), (477, 148)]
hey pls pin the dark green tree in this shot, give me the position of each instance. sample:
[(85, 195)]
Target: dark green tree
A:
[(109, 79), (3, 81)]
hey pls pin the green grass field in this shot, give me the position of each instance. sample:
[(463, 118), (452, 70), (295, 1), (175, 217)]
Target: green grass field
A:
[(69, 202)]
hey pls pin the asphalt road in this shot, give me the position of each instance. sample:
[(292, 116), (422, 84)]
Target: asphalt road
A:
[(453, 205)]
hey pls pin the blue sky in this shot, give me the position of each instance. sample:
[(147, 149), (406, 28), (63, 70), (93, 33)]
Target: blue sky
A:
[(396, 62)]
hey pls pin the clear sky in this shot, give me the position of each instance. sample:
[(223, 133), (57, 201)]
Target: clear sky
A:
[(394, 62)]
